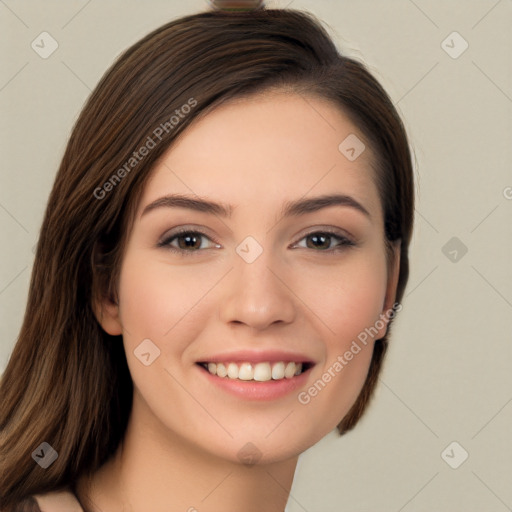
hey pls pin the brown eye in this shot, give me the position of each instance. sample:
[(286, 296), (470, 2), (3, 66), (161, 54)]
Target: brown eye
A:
[(186, 242), (322, 240), (191, 241)]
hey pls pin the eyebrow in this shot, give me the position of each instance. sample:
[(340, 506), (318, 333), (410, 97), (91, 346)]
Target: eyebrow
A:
[(290, 208)]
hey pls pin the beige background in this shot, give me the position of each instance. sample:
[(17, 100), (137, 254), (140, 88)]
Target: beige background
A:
[(448, 375)]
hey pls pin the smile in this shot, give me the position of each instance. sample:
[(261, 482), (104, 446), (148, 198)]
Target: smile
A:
[(260, 372)]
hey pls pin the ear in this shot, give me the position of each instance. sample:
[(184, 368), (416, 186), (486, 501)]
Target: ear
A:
[(105, 303), (393, 274), (106, 311), (392, 283)]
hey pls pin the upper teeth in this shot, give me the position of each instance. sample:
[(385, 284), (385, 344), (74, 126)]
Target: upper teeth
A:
[(259, 371)]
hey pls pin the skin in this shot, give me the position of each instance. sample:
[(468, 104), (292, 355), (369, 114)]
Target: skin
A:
[(180, 450)]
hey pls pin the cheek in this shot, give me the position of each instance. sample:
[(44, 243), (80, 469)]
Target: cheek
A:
[(348, 297), (349, 301), (169, 304), (157, 303), (144, 300)]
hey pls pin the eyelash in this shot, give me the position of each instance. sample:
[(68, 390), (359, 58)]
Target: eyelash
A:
[(166, 242)]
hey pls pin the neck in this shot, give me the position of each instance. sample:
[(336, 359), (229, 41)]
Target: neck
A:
[(156, 469)]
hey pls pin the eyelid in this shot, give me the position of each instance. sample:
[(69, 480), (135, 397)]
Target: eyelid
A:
[(330, 230), (189, 228), (346, 240)]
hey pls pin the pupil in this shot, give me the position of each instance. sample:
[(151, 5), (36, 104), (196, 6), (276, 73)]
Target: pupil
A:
[(323, 239), (190, 241)]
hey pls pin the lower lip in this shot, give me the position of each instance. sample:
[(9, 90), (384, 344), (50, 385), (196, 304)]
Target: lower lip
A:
[(254, 390)]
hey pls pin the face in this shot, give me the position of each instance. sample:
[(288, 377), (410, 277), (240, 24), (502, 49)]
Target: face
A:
[(234, 264)]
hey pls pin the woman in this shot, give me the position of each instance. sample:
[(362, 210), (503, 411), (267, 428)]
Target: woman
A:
[(223, 251)]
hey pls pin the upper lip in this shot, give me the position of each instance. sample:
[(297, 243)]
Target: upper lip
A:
[(257, 356)]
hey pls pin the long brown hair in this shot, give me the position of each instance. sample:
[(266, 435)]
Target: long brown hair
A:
[(67, 382)]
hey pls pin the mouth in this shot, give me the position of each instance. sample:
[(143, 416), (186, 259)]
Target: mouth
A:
[(263, 371), (256, 375)]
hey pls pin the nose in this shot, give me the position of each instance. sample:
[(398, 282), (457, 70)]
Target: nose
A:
[(257, 295)]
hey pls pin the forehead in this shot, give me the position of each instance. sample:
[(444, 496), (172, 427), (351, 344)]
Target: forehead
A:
[(264, 149)]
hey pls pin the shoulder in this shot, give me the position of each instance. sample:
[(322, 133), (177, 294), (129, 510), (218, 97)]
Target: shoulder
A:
[(58, 501)]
